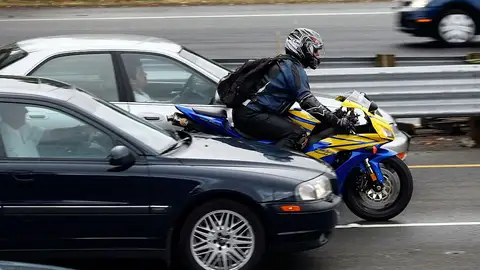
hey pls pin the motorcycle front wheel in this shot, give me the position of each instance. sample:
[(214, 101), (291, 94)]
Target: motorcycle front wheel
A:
[(383, 205)]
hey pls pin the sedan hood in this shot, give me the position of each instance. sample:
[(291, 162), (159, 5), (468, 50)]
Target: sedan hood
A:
[(13, 265), (241, 154)]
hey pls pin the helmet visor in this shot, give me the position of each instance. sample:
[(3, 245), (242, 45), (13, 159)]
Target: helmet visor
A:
[(318, 50)]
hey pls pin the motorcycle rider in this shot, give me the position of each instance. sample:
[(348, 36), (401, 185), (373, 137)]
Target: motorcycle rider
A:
[(262, 117)]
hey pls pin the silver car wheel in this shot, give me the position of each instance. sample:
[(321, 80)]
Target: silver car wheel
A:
[(222, 240), (456, 28)]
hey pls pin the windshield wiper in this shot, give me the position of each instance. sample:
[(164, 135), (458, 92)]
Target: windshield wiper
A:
[(185, 136), (173, 147), (180, 141)]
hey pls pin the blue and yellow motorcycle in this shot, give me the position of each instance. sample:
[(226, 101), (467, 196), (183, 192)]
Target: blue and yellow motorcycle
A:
[(376, 184)]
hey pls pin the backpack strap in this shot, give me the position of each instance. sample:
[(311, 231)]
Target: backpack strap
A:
[(254, 97), (274, 60)]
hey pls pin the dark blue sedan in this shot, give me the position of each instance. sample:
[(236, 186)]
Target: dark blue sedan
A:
[(450, 21), (84, 177)]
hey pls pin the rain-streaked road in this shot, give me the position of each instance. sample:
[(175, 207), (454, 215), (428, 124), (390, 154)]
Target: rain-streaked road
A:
[(235, 31)]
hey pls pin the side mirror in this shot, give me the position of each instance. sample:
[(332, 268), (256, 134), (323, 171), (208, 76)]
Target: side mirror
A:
[(373, 107), (121, 156)]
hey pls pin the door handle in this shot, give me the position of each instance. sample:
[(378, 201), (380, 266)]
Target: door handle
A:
[(23, 176), (151, 118), (37, 116)]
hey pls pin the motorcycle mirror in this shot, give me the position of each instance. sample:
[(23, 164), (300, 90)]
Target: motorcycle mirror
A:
[(340, 98), (373, 107)]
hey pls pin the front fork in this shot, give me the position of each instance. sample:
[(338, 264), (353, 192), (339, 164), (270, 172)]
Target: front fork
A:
[(372, 169)]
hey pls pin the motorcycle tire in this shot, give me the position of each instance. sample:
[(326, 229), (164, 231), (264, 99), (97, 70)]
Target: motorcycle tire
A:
[(353, 200)]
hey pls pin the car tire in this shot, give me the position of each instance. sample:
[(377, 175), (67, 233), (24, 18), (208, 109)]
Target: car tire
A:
[(194, 232), (462, 23)]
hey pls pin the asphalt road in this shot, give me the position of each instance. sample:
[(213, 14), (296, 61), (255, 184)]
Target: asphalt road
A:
[(234, 31), (432, 233)]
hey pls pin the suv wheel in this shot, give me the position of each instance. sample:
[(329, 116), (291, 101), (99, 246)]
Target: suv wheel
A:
[(456, 27)]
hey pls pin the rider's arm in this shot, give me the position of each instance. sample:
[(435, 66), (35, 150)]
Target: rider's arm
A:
[(307, 100)]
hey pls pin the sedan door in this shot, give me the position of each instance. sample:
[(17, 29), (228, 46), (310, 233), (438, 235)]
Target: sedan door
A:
[(63, 193)]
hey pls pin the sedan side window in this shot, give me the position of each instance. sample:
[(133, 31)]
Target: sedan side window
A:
[(30, 131), (92, 72), (160, 79)]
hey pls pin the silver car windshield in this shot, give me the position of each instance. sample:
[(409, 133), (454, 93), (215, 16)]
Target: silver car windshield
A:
[(206, 64)]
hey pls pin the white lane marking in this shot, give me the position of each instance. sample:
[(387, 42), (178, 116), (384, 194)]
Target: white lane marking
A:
[(197, 16), (433, 224)]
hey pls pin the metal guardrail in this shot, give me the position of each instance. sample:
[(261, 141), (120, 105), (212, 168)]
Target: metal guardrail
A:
[(409, 91), (360, 62), (443, 86), (404, 92)]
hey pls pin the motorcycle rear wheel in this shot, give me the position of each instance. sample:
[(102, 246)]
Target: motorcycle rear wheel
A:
[(397, 188)]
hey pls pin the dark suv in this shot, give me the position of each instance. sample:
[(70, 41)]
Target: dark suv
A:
[(450, 21)]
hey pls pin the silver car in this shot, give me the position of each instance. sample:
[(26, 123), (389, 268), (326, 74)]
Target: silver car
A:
[(102, 65)]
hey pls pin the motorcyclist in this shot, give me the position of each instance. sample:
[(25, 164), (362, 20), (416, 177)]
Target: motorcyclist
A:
[(263, 117)]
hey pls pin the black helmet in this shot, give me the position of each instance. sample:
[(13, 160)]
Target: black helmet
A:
[(305, 45)]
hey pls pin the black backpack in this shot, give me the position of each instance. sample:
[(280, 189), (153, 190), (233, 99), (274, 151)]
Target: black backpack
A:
[(245, 81)]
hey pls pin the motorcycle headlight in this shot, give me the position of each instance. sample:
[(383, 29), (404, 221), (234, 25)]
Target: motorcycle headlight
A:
[(315, 189), (387, 132)]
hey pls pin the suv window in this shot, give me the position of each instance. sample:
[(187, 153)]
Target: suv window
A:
[(33, 131), (156, 78), (92, 72)]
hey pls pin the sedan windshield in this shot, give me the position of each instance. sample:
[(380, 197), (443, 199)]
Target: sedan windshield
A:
[(210, 66), (152, 135)]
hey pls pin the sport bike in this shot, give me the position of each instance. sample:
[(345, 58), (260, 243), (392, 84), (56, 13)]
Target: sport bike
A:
[(375, 184)]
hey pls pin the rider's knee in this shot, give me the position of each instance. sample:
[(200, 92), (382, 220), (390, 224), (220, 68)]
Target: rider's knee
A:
[(299, 131), (300, 138)]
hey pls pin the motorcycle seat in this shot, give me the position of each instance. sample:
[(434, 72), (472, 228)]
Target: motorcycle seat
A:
[(213, 112), (246, 136)]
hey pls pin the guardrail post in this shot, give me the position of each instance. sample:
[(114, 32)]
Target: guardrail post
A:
[(407, 127), (472, 58), (475, 130), (385, 60)]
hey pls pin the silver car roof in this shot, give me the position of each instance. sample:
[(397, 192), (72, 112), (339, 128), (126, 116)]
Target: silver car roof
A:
[(66, 43)]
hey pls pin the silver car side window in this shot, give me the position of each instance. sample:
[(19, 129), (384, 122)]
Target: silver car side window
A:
[(92, 72), (160, 79)]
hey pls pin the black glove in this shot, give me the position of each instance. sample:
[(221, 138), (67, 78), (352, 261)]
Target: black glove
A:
[(346, 124), (322, 113)]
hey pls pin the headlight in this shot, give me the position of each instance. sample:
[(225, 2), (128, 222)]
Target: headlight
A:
[(315, 189), (395, 129), (419, 3), (387, 132)]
